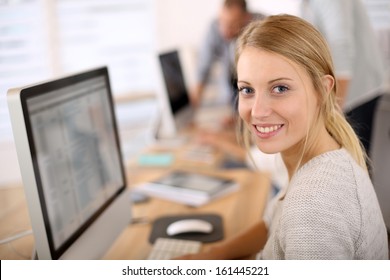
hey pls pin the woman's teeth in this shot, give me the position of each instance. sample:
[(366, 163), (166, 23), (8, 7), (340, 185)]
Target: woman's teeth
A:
[(268, 129)]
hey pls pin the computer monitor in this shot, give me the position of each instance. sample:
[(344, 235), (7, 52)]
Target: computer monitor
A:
[(172, 92), (176, 110), (71, 164)]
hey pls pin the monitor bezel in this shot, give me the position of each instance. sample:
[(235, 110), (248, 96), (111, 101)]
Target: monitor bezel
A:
[(48, 87)]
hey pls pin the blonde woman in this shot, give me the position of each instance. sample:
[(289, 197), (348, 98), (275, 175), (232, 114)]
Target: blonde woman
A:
[(287, 104)]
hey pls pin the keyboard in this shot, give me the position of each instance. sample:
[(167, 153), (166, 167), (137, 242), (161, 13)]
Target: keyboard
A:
[(168, 248)]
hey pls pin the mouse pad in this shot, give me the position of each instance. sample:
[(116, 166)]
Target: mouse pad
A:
[(159, 228)]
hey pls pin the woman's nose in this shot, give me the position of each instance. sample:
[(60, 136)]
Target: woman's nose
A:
[(261, 107)]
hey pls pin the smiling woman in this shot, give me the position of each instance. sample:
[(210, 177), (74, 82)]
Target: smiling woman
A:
[(277, 101), (298, 69), (287, 105)]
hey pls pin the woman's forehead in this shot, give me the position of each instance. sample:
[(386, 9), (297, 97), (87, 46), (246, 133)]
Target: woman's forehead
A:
[(266, 64)]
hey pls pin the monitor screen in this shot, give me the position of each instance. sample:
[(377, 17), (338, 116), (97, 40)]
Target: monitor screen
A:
[(75, 153), (174, 80)]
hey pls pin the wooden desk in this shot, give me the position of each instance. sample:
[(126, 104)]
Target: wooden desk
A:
[(14, 218), (239, 210)]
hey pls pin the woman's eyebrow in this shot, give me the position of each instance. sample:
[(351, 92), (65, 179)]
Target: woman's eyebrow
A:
[(279, 79), (243, 82), (269, 82)]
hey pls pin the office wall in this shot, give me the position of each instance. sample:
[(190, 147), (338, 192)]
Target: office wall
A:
[(184, 23)]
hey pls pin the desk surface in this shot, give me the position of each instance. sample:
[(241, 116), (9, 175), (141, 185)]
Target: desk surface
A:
[(239, 210)]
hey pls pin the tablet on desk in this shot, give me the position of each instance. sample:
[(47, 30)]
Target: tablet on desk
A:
[(188, 187)]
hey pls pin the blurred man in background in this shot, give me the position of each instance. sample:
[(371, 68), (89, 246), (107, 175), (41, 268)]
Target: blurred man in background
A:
[(219, 44)]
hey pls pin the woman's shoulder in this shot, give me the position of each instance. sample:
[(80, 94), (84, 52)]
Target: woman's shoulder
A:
[(335, 166), (327, 179)]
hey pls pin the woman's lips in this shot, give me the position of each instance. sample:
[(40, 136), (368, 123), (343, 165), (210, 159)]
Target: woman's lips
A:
[(267, 131)]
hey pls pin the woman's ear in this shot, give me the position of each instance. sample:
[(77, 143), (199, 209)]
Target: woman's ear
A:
[(328, 83)]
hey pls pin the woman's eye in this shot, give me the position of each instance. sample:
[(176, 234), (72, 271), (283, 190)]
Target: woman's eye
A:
[(280, 89), (245, 90)]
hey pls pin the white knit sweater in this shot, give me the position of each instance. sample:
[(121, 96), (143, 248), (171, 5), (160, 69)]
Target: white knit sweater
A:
[(330, 211)]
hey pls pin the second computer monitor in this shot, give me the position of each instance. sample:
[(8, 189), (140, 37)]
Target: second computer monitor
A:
[(176, 107)]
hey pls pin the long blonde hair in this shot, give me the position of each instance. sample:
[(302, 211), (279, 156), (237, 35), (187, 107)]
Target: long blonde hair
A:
[(298, 41)]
